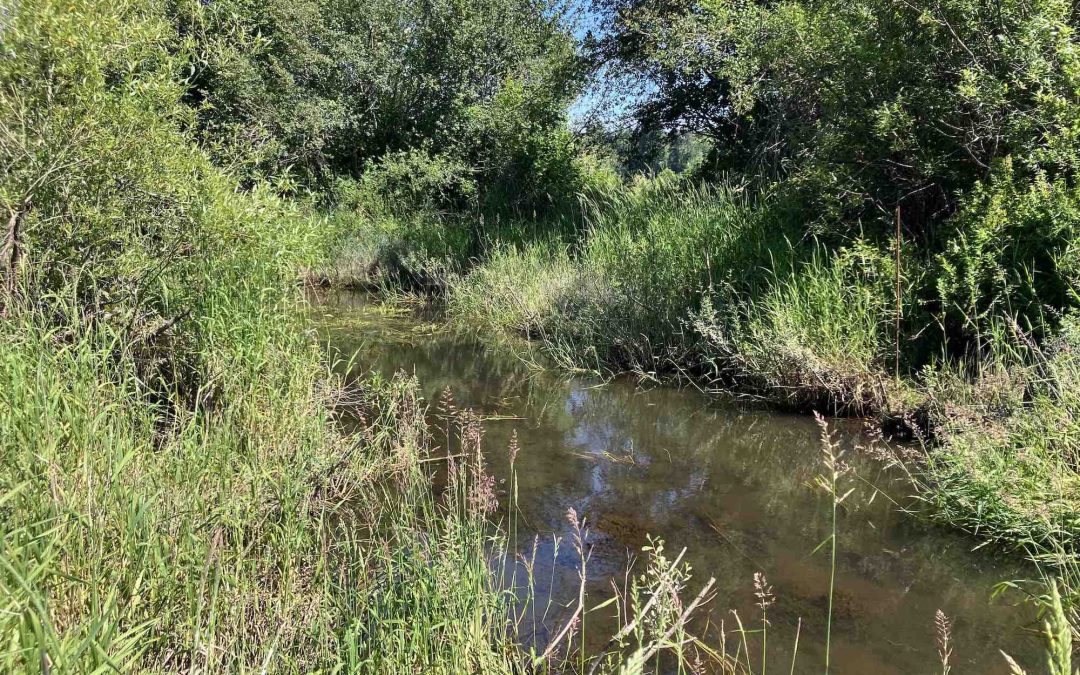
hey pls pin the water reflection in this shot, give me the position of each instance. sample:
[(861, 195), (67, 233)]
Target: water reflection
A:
[(730, 485)]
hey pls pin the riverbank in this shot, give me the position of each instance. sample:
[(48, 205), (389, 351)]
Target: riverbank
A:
[(734, 485), (230, 532), (700, 285), (184, 483), (177, 491)]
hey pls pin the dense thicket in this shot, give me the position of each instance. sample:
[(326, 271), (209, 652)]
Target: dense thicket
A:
[(962, 113), (172, 481), (864, 104), (326, 90)]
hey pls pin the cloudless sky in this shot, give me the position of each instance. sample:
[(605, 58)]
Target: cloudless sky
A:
[(598, 103)]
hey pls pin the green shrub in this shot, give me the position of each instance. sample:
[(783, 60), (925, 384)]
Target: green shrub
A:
[(527, 157), (124, 221), (320, 90), (1015, 253), (406, 182), (912, 103)]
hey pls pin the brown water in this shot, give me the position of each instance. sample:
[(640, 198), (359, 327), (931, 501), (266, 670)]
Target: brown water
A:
[(731, 485)]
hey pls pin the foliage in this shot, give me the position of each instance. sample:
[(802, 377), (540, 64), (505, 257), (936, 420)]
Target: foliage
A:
[(1008, 462), (865, 105), (651, 151), (814, 339), (623, 296), (116, 219), (956, 117), (83, 184), (1015, 254), (413, 181), (324, 88), (175, 493)]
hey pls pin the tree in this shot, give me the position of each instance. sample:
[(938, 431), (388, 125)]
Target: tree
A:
[(862, 106), (325, 87)]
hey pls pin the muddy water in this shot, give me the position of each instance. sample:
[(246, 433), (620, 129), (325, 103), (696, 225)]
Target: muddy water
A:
[(731, 485)]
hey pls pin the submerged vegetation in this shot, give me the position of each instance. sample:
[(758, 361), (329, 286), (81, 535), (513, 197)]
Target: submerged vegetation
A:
[(186, 486)]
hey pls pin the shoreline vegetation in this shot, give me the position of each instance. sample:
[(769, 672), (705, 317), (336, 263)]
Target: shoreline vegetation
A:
[(674, 281), (185, 486)]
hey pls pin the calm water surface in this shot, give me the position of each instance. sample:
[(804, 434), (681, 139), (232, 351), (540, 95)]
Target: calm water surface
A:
[(731, 485)]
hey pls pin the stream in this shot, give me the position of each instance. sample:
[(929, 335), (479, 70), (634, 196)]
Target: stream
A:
[(732, 485)]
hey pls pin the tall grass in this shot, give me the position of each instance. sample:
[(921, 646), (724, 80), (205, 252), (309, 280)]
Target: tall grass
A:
[(1006, 462), (372, 247), (517, 289), (618, 298), (283, 522), (701, 284), (812, 340), (242, 534), (176, 491)]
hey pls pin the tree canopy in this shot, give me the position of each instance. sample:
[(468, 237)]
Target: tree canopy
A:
[(862, 105)]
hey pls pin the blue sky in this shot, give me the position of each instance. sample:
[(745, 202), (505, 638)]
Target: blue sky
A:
[(605, 101)]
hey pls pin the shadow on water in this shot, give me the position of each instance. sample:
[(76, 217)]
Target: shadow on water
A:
[(731, 485)]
